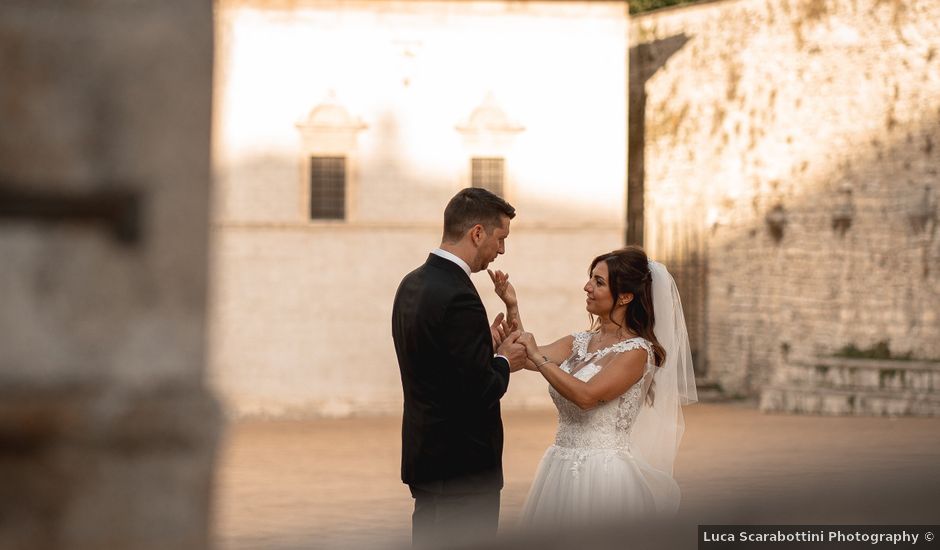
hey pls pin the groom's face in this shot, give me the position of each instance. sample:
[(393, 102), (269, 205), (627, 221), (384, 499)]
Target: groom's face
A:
[(492, 244)]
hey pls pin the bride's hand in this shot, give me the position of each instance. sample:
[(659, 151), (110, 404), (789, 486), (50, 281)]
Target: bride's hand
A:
[(531, 348), (504, 288)]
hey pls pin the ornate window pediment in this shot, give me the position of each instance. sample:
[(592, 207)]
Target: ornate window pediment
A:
[(330, 127), (489, 118)]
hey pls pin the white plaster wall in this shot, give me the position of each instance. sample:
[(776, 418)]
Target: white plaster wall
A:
[(301, 310)]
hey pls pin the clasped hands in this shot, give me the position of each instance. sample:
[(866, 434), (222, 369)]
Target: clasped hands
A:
[(517, 346)]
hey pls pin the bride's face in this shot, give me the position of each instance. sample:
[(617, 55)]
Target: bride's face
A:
[(599, 299)]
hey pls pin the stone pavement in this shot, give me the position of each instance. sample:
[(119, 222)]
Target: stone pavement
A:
[(334, 483)]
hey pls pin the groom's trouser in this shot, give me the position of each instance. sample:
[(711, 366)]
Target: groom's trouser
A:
[(453, 519)]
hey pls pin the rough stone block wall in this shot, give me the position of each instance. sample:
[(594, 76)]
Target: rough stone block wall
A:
[(794, 147)]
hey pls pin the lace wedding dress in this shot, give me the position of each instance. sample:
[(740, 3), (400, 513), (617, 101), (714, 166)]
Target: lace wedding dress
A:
[(591, 474)]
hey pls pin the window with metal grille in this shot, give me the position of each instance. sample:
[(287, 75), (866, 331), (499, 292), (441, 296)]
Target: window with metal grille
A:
[(327, 188), (487, 172)]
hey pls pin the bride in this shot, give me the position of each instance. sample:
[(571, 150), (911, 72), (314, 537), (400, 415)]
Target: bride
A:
[(618, 388)]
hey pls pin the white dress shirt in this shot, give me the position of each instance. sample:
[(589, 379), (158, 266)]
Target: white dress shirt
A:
[(456, 259)]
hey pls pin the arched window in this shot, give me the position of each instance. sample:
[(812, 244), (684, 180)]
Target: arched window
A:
[(488, 134), (329, 146)]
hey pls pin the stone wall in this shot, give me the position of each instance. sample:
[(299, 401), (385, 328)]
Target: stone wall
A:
[(792, 150), (107, 432)]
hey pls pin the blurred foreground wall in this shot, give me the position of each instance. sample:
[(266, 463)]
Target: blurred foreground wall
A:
[(107, 431)]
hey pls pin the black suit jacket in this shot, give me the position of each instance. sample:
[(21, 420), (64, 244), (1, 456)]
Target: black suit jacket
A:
[(452, 433)]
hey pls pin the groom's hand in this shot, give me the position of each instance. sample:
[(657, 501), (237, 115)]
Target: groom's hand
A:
[(513, 351), (499, 330)]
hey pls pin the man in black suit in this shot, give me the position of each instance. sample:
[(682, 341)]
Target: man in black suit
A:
[(452, 433)]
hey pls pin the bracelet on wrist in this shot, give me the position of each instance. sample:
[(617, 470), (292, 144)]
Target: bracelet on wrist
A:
[(544, 361)]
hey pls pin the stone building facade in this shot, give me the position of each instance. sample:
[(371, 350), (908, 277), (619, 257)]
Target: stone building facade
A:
[(341, 131), (782, 162), (790, 175)]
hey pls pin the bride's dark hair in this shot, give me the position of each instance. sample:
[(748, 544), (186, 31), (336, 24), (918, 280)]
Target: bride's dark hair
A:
[(629, 271)]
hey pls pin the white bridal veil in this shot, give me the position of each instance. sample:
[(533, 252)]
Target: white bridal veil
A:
[(658, 429)]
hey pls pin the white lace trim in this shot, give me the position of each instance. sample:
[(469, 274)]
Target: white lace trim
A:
[(582, 339), (578, 455)]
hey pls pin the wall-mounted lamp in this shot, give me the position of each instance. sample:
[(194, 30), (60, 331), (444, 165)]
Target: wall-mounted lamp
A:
[(924, 213), (713, 219), (776, 219), (844, 211)]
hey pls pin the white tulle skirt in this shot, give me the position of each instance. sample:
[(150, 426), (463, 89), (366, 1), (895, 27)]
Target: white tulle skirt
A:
[(577, 486)]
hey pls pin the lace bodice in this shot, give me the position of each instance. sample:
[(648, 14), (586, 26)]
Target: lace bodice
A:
[(608, 425)]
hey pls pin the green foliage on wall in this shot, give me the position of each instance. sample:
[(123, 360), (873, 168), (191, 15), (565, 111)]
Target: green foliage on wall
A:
[(640, 6), (881, 350)]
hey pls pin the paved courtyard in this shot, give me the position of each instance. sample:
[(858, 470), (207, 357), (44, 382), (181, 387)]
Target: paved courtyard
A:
[(334, 483)]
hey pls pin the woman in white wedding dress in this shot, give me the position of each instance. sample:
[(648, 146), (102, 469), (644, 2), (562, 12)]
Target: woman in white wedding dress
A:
[(618, 388)]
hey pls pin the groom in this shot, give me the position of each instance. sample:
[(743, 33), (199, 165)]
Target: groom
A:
[(452, 434)]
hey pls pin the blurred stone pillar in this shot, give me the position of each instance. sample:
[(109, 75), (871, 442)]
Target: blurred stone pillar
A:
[(107, 431)]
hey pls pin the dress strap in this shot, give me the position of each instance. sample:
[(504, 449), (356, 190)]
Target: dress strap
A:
[(581, 340), (580, 343), (627, 345)]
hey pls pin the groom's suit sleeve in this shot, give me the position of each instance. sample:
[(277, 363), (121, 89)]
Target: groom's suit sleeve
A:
[(483, 377)]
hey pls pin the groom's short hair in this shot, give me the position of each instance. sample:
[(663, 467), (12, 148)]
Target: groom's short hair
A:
[(472, 206)]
